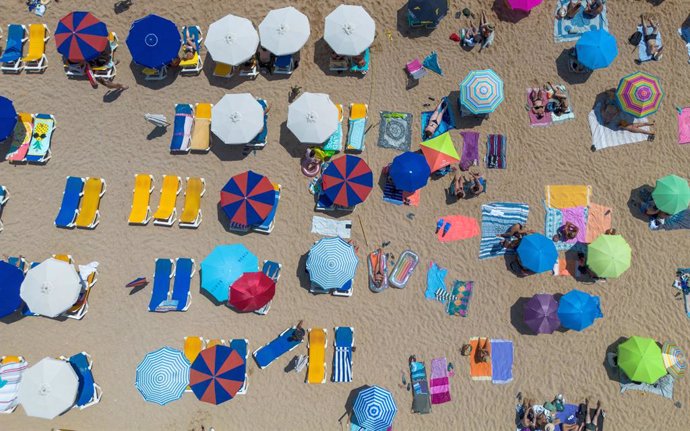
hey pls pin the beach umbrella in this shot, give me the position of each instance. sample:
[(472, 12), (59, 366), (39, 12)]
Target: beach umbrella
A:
[(80, 36), (347, 180), (374, 408), (8, 118), (541, 314), (639, 94), (248, 198), (349, 30), (251, 291), (608, 256), (409, 171), (675, 360), (48, 388), (154, 41), (640, 358), (224, 265), (217, 374), (284, 31), (427, 11), (481, 91), (51, 287), (537, 253), (577, 310), (157, 120), (331, 263), (596, 49), (312, 118), (162, 376), (671, 194), (440, 152), (524, 5), (11, 279), (231, 40), (237, 118)]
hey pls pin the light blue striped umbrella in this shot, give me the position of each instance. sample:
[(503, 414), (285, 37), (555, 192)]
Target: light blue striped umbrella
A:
[(163, 376), (375, 408), (332, 262), (481, 91)]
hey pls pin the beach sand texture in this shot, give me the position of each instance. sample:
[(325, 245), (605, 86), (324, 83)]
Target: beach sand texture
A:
[(105, 137)]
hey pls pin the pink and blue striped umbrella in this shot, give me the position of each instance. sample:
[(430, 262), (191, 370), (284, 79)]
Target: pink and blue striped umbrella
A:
[(639, 94), (248, 198), (347, 181), (80, 36), (217, 374), (481, 91)]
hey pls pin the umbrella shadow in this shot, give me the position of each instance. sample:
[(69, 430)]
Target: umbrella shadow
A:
[(612, 371), (154, 85), (404, 29), (157, 132), (218, 81), (137, 289), (505, 13), (322, 57), (288, 140), (514, 267), (564, 72), (637, 196), (14, 317), (517, 317), (301, 272), (228, 153)]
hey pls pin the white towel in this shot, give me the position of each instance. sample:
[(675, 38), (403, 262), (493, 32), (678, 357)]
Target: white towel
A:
[(86, 270), (328, 227), (605, 137)]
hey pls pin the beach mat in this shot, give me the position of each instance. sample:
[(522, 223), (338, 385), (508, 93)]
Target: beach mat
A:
[(642, 53), (501, 361), (470, 150), (395, 130), (567, 196), (495, 152), (569, 30), (329, 227), (412, 198), (569, 410), (497, 218), (561, 267), (605, 137), (479, 370), (435, 280), (461, 227), (439, 383), (533, 120), (677, 221), (663, 387), (684, 125), (459, 298), (444, 126), (578, 217), (598, 221)]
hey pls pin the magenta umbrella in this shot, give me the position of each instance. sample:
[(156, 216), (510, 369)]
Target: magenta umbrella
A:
[(525, 5), (541, 314)]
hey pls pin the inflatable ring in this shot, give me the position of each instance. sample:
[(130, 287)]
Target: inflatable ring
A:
[(310, 169)]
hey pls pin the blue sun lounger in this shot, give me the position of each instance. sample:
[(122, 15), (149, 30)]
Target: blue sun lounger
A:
[(14, 48), (241, 346), (88, 392), (272, 270), (265, 355), (182, 132), (259, 140), (71, 197), (161, 284), (342, 357), (267, 225), (181, 296)]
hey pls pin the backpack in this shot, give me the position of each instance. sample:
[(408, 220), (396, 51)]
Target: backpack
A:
[(635, 38)]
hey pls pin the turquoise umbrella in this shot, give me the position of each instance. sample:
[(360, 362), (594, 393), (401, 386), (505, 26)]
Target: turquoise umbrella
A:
[(223, 266)]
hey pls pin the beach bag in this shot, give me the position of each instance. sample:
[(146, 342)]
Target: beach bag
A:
[(635, 38)]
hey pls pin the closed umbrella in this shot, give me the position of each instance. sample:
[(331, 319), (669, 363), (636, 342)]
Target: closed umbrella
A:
[(154, 41), (231, 40), (8, 118), (675, 360), (577, 310), (224, 265), (284, 31), (537, 253), (427, 11), (481, 91), (639, 94), (374, 408), (440, 152), (541, 314), (162, 376), (247, 198), (349, 30), (251, 291), (312, 118), (331, 263), (157, 120), (217, 374), (48, 388), (596, 49), (524, 5), (609, 256), (347, 181), (237, 118), (409, 171), (11, 279), (80, 36), (640, 358), (51, 288), (671, 194)]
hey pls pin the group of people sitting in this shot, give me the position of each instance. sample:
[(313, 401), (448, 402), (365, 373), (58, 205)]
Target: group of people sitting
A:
[(610, 114), (543, 417), (556, 101), (482, 36), (463, 187), (592, 9), (357, 60)]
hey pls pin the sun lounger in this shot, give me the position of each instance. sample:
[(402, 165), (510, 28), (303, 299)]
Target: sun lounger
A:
[(191, 213), (267, 225), (272, 270), (39, 147), (161, 283), (283, 65), (342, 357), (182, 132), (335, 141), (201, 132), (415, 69), (192, 347), (89, 393), (19, 262), (265, 355), (11, 60), (166, 214), (109, 70), (4, 197), (241, 346), (421, 398), (21, 138), (316, 368), (345, 290), (215, 342), (259, 140), (339, 65), (11, 370), (89, 216), (71, 197), (140, 211), (181, 297), (357, 126), (195, 64), (222, 70), (155, 74), (365, 68), (81, 307), (35, 60)]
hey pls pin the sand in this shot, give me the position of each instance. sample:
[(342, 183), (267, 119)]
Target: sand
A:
[(101, 136)]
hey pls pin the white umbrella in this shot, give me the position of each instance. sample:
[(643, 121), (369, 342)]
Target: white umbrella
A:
[(48, 388), (284, 31), (232, 40), (51, 288), (237, 118), (157, 120), (313, 118), (349, 30)]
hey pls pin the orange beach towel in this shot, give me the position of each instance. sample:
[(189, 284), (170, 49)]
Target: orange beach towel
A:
[(479, 370)]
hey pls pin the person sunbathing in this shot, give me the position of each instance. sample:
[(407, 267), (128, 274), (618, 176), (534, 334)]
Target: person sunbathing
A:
[(478, 184), (637, 127), (594, 8), (562, 106), (435, 120), (591, 422), (652, 211), (470, 36), (567, 232), (573, 8), (189, 47), (650, 33), (517, 230), (486, 30), (482, 353), (536, 96), (359, 60), (298, 333), (457, 188)]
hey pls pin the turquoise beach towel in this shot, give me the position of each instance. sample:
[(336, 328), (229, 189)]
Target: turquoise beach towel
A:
[(355, 134), (642, 53), (435, 279), (569, 30)]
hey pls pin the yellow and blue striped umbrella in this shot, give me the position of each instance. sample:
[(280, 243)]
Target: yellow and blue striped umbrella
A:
[(481, 91), (675, 360)]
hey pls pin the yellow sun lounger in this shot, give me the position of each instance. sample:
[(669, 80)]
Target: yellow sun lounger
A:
[(316, 369), (222, 70), (215, 342), (166, 214), (191, 214), (89, 216), (201, 133), (140, 212), (193, 345), (35, 60)]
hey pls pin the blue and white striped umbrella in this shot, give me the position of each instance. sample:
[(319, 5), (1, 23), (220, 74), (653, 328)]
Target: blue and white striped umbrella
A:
[(375, 408), (332, 262), (163, 376), (481, 91)]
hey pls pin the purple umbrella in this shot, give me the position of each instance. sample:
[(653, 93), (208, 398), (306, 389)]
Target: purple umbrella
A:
[(541, 314)]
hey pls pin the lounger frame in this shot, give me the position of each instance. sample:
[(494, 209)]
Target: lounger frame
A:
[(155, 74), (97, 217), (109, 70)]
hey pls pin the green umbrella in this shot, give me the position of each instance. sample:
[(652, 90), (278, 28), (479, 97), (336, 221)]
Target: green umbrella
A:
[(671, 194), (641, 360), (609, 256)]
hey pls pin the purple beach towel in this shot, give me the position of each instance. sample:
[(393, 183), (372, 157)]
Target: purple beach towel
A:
[(546, 120), (470, 150), (684, 126), (501, 361), (576, 216), (439, 385)]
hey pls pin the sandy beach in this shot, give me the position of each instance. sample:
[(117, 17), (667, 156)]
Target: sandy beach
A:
[(107, 137)]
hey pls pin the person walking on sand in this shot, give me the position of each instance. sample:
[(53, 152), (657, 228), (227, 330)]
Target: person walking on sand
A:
[(111, 85)]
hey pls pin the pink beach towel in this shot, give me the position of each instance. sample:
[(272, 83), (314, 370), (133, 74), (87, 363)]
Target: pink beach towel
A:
[(439, 385), (684, 126), (470, 150), (461, 227), (576, 216), (598, 221), (546, 120)]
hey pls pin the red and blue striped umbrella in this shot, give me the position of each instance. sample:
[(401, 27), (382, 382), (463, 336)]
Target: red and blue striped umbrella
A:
[(248, 198), (217, 374), (347, 181), (80, 36)]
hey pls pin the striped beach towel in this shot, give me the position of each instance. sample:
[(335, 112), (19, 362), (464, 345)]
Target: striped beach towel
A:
[(10, 377), (495, 152), (497, 218), (605, 137), (342, 357), (439, 384)]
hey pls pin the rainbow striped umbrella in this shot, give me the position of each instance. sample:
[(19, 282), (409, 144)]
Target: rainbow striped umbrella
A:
[(481, 91), (347, 181), (217, 374), (639, 94), (675, 361), (248, 198), (80, 36)]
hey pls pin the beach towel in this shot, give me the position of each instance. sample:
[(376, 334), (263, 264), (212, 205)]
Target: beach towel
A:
[(439, 384), (642, 53), (395, 130), (684, 34), (598, 221), (533, 120), (480, 370), (411, 198), (663, 387), (560, 268), (470, 150), (567, 416), (605, 137), (567, 196), (684, 125), (677, 221), (431, 62), (569, 30), (329, 227), (501, 361), (355, 134), (461, 227), (569, 114), (435, 280), (495, 152), (335, 142), (578, 217), (497, 218), (555, 218), (459, 298)]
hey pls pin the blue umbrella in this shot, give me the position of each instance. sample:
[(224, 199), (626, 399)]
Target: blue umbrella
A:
[(11, 279), (163, 376), (154, 41), (374, 408), (223, 266), (409, 171), (331, 263), (8, 118), (577, 310), (596, 49), (537, 252)]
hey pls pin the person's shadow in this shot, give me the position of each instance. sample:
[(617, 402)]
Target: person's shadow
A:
[(122, 6)]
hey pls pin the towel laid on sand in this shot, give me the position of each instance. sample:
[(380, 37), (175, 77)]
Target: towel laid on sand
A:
[(459, 298), (501, 361), (495, 152), (567, 416), (567, 196), (329, 227), (663, 387), (555, 218), (461, 227), (598, 221), (684, 125), (534, 121), (568, 115), (642, 53), (435, 280), (578, 217), (480, 370), (606, 137), (439, 384), (395, 130), (497, 218), (470, 150), (569, 30)]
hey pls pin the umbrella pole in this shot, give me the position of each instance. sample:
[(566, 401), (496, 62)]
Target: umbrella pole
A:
[(361, 225)]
